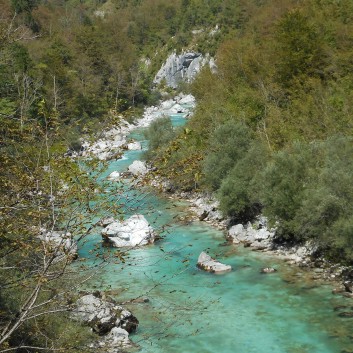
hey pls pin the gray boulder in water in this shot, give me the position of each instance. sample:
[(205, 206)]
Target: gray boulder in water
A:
[(205, 262)]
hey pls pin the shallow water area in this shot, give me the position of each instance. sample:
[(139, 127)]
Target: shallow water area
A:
[(190, 310)]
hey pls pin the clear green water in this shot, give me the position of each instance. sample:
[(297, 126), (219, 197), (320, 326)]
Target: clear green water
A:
[(193, 311)]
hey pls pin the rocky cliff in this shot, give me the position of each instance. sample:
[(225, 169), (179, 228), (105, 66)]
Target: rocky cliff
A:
[(182, 67)]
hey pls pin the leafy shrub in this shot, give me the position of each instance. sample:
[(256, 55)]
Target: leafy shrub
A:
[(159, 133), (238, 194), (308, 189), (227, 145)]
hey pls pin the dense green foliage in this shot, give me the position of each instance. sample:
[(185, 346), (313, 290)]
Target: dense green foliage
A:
[(159, 134), (285, 76), (272, 131)]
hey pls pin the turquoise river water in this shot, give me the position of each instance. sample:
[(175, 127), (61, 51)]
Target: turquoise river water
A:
[(191, 311)]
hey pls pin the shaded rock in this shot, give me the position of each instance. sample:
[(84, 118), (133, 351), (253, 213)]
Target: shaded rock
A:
[(254, 234), (61, 243), (106, 221), (205, 262), (135, 231), (102, 315), (348, 286), (114, 342), (346, 314), (138, 168)]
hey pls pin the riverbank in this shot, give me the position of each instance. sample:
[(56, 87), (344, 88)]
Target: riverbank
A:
[(258, 236), (112, 142), (204, 207), (234, 300)]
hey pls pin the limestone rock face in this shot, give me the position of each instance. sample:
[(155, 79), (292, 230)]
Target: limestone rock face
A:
[(183, 67), (133, 232), (138, 168), (206, 263)]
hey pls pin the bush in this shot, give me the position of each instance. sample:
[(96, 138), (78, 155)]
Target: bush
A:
[(159, 134), (308, 189), (227, 145), (238, 194)]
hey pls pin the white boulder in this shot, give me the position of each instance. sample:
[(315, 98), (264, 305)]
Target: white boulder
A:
[(114, 176), (206, 263), (138, 168), (255, 234), (61, 243), (135, 231), (134, 146), (188, 99), (106, 318)]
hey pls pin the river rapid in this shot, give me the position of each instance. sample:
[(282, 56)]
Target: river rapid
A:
[(189, 310)]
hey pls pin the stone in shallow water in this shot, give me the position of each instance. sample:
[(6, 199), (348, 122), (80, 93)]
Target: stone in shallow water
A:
[(134, 146), (268, 270), (205, 262), (135, 231)]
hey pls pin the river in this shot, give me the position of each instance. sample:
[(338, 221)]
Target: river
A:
[(191, 311)]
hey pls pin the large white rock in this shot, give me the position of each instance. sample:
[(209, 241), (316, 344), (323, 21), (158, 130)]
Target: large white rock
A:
[(104, 317), (134, 146), (135, 231), (206, 263), (183, 67), (61, 243), (256, 234), (138, 168), (188, 99), (114, 176), (177, 108)]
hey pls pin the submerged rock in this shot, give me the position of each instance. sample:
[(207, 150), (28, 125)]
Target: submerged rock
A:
[(268, 270), (205, 262), (135, 231), (346, 314)]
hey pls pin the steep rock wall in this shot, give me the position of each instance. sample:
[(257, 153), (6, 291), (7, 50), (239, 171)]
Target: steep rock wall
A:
[(182, 67)]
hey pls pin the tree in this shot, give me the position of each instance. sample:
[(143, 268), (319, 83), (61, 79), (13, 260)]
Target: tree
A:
[(300, 48), (227, 145)]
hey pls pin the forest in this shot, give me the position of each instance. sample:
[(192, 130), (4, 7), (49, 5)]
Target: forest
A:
[(271, 134)]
